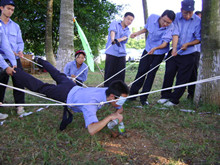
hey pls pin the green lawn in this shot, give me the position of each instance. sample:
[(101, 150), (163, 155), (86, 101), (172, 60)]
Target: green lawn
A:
[(154, 135)]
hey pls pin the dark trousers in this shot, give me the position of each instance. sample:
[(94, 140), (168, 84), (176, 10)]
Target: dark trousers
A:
[(191, 88), (113, 65), (4, 77), (58, 92), (146, 64), (180, 66)]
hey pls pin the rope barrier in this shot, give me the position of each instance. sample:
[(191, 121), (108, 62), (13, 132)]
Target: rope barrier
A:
[(102, 103), (152, 69)]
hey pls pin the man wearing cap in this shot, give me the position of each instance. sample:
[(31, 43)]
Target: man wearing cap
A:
[(13, 33), (185, 36)]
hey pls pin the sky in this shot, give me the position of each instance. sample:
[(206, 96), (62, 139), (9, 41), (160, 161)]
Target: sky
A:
[(154, 7)]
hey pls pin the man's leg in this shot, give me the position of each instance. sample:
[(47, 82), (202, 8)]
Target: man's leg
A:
[(169, 76), (150, 77), (19, 97), (185, 68), (143, 67), (55, 74), (4, 80)]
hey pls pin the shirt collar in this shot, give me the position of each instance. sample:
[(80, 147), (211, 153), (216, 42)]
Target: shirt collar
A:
[(181, 16)]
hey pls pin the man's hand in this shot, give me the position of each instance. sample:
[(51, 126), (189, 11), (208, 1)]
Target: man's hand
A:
[(116, 115), (174, 52), (184, 46), (9, 70), (133, 35), (116, 42), (73, 76), (20, 54), (152, 51)]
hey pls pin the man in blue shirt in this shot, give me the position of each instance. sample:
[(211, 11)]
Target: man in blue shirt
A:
[(185, 36), (159, 30), (77, 68), (67, 91), (115, 54), (191, 88), (13, 33)]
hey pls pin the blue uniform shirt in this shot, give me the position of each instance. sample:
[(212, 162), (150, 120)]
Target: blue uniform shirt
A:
[(119, 33), (5, 47), (87, 95), (157, 35), (71, 68), (13, 33), (3, 64), (188, 31)]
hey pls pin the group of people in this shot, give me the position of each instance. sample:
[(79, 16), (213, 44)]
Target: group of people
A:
[(183, 29)]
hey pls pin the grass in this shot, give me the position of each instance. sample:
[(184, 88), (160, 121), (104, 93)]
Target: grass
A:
[(153, 135)]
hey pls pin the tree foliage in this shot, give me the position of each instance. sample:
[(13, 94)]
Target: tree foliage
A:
[(92, 15)]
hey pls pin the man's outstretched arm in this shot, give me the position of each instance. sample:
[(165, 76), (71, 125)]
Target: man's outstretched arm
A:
[(96, 127)]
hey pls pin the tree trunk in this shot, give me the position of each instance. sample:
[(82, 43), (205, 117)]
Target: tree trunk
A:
[(66, 34), (210, 55), (48, 40), (144, 2)]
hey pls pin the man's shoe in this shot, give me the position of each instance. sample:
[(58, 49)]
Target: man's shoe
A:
[(3, 116), (169, 104), (162, 101), (145, 103), (20, 110)]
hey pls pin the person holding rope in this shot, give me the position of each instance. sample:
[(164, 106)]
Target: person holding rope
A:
[(115, 48), (159, 30), (67, 91), (13, 33), (77, 68), (185, 36)]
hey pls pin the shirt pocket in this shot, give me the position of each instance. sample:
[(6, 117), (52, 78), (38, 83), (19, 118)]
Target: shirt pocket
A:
[(13, 37)]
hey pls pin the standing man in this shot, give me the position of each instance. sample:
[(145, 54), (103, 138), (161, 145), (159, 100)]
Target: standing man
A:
[(13, 33), (185, 36), (115, 54), (160, 30), (191, 88)]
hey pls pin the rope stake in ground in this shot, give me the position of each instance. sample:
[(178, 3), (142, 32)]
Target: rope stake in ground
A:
[(102, 103)]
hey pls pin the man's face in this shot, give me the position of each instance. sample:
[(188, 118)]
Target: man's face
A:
[(114, 103), (7, 10), (187, 14), (165, 21), (80, 58), (128, 20)]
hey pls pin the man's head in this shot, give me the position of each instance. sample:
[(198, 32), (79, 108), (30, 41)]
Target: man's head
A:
[(80, 56), (128, 19), (199, 13), (167, 18), (187, 9), (115, 90), (7, 8)]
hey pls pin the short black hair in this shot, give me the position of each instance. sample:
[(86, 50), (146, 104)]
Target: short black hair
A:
[(117, 88), (129, 14), (198, 12), (170, 14)]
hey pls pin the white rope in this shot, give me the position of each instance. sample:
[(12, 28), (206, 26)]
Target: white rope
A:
[(152, 69), (119, 71), (74, 79), (31, 93), (102, 103), (31, 61)]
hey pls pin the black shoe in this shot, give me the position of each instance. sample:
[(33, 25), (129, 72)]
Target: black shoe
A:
[(66, 120), (145, 103)]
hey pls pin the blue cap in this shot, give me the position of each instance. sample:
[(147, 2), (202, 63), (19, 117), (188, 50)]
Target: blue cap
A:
[(7, 2), (188, 5)]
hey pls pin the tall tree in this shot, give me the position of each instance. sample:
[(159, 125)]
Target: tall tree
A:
[(48, 37), (145, 10), (210, 55), (66, 34)]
